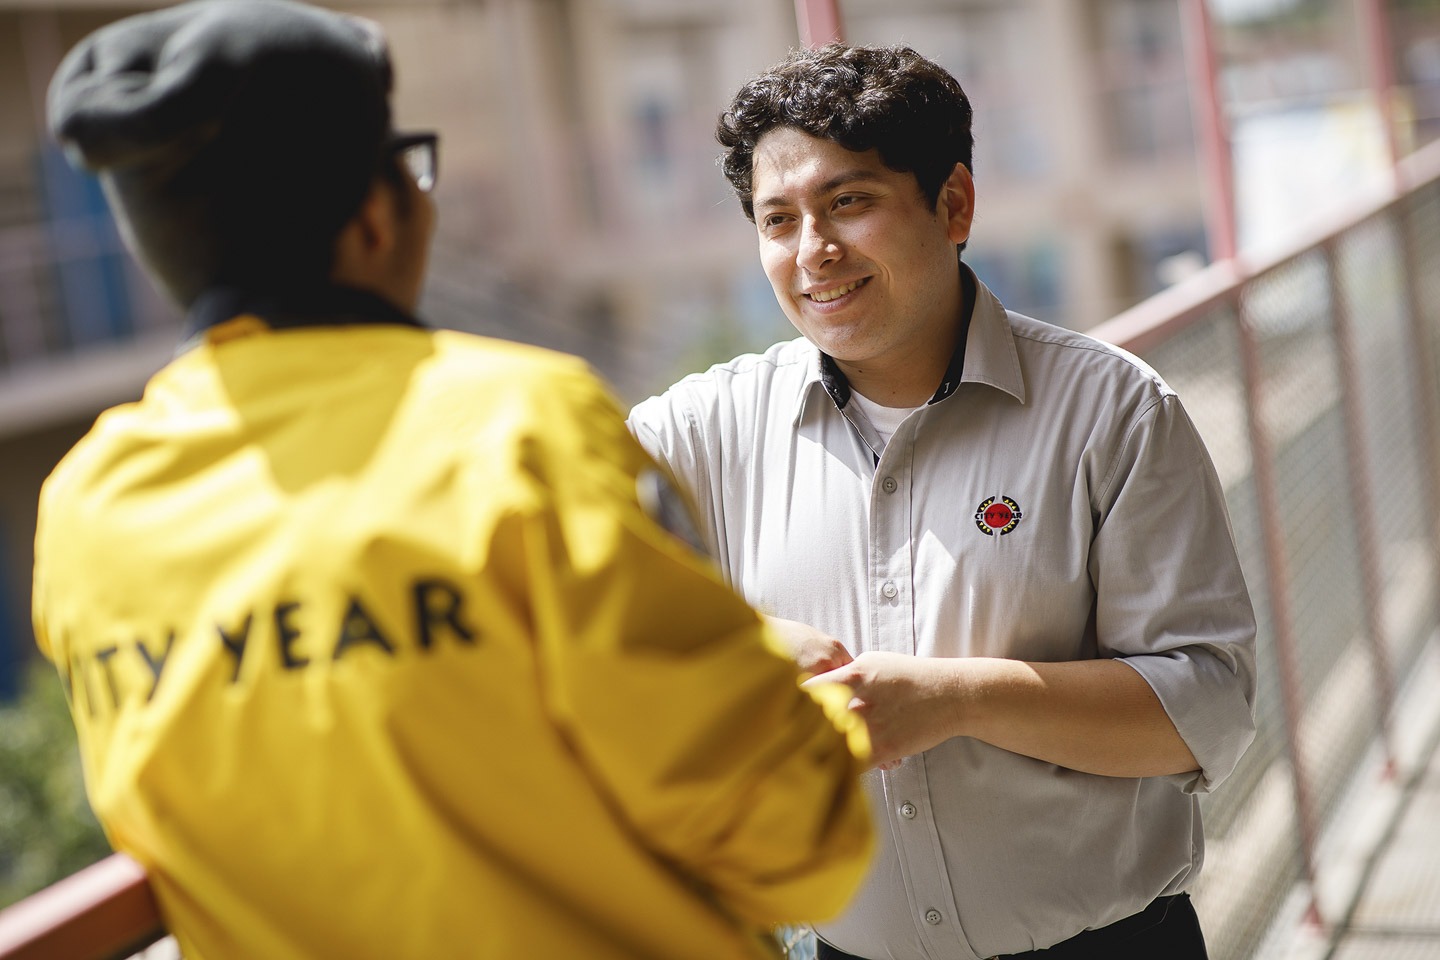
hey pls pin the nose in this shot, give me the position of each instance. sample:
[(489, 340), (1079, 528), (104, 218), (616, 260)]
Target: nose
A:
[(818, 246)]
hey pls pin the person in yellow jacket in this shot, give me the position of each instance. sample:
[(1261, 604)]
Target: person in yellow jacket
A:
[(384, 641)]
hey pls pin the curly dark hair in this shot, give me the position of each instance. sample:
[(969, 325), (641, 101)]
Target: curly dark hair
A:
[(890, 99)]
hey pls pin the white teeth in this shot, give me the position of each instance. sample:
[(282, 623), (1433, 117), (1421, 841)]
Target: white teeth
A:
[(827, 295)]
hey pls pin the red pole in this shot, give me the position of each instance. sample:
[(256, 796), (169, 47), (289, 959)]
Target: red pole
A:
[(1212, 130), (1375, 26), (1372, 580), (1277, 576), (819, 22)]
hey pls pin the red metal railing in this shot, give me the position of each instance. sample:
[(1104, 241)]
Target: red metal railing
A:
[(103, 912), (1311, 339)]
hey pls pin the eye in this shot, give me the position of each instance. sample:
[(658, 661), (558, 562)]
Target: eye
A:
[(773, 220)]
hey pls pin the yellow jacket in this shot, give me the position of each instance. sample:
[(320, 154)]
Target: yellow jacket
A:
[(374, 651)]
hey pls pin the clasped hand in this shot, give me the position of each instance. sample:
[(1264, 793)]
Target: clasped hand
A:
[(909, 704)]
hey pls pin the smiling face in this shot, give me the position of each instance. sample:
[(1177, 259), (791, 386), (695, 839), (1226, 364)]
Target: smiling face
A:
[(861, 264)]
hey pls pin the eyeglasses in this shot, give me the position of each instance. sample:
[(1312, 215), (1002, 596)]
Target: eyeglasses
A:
[(418, 154)]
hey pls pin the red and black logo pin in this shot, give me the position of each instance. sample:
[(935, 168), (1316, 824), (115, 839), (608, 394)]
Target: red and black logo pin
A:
[(997, 515)]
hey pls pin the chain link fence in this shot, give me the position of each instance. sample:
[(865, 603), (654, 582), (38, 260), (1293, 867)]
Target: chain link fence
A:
[(1313, 380)]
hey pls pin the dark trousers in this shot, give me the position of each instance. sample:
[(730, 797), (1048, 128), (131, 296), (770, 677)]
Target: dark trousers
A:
[(1166, 930)]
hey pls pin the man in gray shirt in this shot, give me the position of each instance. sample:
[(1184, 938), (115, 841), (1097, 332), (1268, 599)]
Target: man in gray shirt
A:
[(1012, 531)]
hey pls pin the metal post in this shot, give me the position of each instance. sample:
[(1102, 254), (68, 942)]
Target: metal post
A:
[(819, 22), (1277, 575), (1371, 578), (1209, 119), (1427, 384), (1375, 26)]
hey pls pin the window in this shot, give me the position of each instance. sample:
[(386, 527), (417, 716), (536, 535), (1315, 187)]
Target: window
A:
[(1143, 79)]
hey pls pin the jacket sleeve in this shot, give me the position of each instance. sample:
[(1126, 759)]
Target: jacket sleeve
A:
[(671, 691), (1172, 601)]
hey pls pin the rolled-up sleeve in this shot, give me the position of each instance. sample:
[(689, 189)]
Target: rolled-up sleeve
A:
[(1171, 597)]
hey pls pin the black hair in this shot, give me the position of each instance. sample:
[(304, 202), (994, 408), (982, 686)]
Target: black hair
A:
[(889, 99), (282, 183)]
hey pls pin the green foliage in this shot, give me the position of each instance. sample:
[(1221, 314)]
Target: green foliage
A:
[(47, 830)]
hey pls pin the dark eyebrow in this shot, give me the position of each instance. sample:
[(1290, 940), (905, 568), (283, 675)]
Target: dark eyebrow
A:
[(839, 180)]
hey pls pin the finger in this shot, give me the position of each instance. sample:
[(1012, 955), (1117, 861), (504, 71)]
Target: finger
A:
[(829, 676)]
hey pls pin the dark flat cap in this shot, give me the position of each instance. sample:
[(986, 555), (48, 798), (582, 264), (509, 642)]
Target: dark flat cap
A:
[(224, 130), (160, 78)]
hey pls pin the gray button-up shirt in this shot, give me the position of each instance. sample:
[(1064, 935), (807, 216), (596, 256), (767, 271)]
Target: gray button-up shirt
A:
[(1057, 505)]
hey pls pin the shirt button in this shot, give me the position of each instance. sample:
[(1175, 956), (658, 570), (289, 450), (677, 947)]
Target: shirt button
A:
[(907, 810), (889, 590), (932, 917), (889, 485)]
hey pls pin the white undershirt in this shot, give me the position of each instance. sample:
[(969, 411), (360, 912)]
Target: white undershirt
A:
[(885, 420)]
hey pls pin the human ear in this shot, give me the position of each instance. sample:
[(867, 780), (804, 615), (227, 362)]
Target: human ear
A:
[(368, 238), (956, 204)]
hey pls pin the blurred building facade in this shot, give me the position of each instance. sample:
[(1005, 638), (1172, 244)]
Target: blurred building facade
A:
[(582, 208)]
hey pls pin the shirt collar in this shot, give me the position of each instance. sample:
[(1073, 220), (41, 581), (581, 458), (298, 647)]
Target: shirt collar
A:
[(324, 305), (991, 356), (984, 353)]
